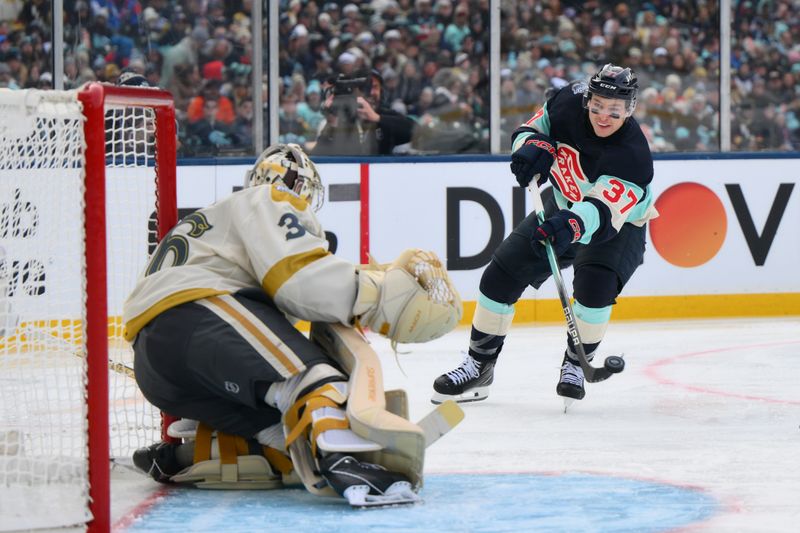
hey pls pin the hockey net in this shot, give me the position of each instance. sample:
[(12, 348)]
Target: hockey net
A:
[(87, 186)]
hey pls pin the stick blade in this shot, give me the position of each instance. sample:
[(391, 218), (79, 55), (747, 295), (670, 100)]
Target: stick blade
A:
[(440, 421)]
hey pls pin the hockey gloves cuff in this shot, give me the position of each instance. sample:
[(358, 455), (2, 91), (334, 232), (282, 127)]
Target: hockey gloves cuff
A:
[(535, 156), (562, 229)]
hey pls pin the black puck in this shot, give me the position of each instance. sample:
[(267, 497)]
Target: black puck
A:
[(614, 364)]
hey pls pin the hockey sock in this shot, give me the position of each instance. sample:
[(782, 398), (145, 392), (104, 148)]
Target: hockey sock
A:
[(490, 325)]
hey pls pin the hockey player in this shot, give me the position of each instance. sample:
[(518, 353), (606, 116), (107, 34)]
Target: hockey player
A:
[(209, 320), (586, 144)]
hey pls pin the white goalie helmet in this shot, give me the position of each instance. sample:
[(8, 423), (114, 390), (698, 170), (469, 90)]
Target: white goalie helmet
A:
[(291, 166)]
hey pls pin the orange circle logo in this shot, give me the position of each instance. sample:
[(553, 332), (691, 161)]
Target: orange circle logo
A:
[(691, 226)]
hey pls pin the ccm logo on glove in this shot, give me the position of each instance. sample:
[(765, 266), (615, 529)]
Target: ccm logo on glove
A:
[(576, 229), (534, 157), (562, 229), (544, 145)]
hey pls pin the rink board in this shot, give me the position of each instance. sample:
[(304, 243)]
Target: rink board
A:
[(742, 264)]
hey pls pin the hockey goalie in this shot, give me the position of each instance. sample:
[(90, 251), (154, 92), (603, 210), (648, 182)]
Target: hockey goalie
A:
[(262, 405)]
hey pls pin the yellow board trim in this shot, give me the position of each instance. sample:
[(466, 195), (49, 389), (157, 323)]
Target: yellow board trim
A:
[(663, 307), (549, 310)]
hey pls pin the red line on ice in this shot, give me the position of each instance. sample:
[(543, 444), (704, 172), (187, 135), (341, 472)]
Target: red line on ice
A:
[(653, 372)]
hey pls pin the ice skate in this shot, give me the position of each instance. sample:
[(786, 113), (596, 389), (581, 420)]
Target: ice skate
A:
[(158, 461), (570, 383), (467, 383), (366, 484)]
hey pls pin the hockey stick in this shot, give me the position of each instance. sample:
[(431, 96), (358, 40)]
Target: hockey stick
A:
[(613, 364), (51, 340)]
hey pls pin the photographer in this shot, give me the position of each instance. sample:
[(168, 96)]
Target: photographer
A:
[(357, 121)]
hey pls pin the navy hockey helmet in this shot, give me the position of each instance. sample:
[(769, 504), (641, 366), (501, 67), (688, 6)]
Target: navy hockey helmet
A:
[(612, 81), (132, 79)]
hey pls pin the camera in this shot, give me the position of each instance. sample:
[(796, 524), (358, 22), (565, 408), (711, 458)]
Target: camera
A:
[(345, 91)]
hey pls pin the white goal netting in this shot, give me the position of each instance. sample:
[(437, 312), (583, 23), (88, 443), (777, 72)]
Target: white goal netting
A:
[(43, 370)]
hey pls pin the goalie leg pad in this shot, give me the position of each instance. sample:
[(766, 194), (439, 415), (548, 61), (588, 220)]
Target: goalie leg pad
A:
[(359, 418), (225, 462), (297, 424), (374, 418), (332, 432)]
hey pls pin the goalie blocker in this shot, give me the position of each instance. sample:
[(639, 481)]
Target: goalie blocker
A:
[(334, 430)]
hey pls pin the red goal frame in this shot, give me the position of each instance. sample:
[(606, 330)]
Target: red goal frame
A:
[(94, 98)]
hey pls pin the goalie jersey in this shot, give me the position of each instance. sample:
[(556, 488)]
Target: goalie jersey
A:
[(262, 236), (606, 181)]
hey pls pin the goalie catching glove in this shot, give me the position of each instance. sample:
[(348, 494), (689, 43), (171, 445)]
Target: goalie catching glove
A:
[(409, 300)]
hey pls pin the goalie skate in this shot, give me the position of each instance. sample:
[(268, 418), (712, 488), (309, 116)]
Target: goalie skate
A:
[(366, 484), (158, 461)]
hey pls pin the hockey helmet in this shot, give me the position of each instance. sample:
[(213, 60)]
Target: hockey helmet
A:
[(612, 81), (132, 79), (290, 166)]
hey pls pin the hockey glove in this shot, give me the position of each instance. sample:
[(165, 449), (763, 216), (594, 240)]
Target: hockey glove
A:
[(535, 156), (562, 229)]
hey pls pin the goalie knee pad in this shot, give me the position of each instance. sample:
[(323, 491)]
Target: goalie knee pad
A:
[(283, 394)]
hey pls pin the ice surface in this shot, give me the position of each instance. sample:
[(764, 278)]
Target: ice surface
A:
[(699, 433)]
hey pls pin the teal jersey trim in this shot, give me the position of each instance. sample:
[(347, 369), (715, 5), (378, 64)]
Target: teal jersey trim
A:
[(495, 307), (592, 315), (590, 217), (589, 213), (540, 122)]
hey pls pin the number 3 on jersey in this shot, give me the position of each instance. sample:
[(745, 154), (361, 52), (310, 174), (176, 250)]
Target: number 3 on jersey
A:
[(614, 194), (292, 224)]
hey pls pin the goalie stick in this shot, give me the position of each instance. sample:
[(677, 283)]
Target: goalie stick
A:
[(61, 344), (613, 364)]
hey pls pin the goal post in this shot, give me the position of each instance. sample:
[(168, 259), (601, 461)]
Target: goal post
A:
[(87, 188)]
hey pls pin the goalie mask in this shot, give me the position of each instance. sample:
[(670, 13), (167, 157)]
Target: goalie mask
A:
[(290, 166)]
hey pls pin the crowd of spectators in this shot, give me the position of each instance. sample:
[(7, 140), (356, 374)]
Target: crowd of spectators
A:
[(674, 48), (433, 61)]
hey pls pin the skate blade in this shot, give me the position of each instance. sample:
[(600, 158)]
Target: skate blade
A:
[(473, 395), (568, 403), (398, 493)]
